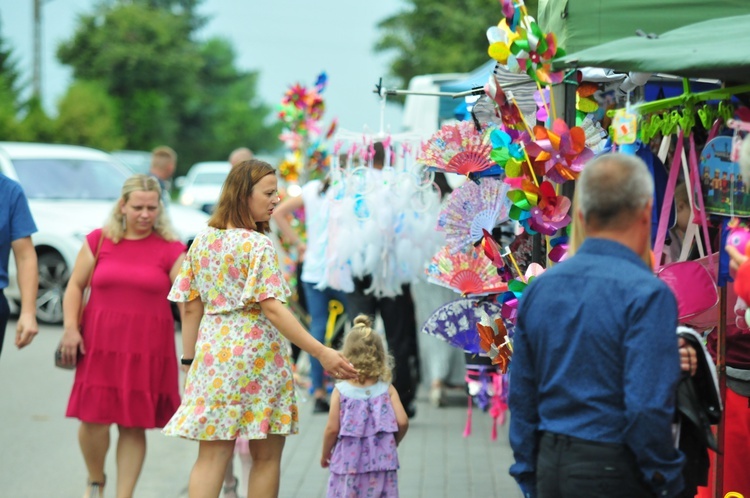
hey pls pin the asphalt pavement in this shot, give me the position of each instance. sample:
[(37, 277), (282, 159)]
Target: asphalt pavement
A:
[(40, 458)]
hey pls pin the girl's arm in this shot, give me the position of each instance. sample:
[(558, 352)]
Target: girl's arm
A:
[(283, 319), (402, 420), (191, 320), (331, 433)]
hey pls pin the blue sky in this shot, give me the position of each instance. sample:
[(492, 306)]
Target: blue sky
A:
[(287, 41)]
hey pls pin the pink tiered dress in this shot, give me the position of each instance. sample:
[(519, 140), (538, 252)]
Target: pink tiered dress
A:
[(129, 374), (365, 461)]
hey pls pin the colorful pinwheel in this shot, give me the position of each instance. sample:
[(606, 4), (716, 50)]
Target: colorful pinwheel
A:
[(539, 209), (542, 99), (494, 340), (534, 51), (561, 151), (505, 149), (516, 288)]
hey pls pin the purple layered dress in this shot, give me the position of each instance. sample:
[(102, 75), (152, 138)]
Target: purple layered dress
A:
[(365, 461)]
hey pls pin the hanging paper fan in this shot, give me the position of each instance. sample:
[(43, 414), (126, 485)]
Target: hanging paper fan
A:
[(494, 341), (471, 208), (457, 148), (456, 323), (468, 273)]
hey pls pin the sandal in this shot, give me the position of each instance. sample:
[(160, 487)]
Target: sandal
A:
[(95, 489), (230, 490)]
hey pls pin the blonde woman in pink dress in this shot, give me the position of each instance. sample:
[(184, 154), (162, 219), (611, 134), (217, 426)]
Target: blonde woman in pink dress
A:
[(239, 382), (127, 374)]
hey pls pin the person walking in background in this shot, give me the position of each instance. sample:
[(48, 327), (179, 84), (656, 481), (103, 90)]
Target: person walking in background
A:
[(16, 227), (163, 166), (127, 372), (313, 199), (399, 321), (240, 380), (366, 423), (239, 155), (601, 396)]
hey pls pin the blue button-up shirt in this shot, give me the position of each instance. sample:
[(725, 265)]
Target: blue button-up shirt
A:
[(15, 222), (595, 357)]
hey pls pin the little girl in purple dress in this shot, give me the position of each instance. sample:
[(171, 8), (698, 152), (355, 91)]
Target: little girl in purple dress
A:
[(366, 422)]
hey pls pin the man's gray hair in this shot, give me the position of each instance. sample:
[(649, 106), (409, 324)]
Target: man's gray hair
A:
[(612, 185)]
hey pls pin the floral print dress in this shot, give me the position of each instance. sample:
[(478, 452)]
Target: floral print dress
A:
[(240, 383), (365, 461)]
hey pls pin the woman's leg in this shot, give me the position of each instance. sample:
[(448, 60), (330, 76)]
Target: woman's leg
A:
[(266, 471), (208, 472), (94, 442), (317, 305), (131, 451)]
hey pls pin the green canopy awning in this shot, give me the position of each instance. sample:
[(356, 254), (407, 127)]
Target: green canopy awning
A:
[(717, 48), (581, 24)]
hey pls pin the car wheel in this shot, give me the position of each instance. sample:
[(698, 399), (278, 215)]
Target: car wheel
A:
[(53, 277)]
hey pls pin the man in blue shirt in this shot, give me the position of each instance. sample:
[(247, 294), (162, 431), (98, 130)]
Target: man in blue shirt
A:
[(16, 227), (595, 361)]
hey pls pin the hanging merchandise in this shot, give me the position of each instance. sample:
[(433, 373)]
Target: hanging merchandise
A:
[(727, 193), (469, 272), (456, 321), (457, 148), (472, 208), (381, 218), (624, 127), (301, 110)]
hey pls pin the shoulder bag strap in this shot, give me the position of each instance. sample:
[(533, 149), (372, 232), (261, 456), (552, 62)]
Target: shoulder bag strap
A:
[(91, 276)]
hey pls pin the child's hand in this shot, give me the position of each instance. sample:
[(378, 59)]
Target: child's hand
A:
[(325, 461)]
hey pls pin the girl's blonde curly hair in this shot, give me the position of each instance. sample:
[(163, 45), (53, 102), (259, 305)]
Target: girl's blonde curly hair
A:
[(364, 348)]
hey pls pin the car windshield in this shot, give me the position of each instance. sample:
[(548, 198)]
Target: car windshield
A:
[(213, 178), (137, 161), (69, 178)]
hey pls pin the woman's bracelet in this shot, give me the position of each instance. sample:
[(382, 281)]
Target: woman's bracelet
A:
[(186, 361)]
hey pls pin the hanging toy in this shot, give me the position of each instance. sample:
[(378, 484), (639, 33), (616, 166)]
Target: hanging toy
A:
[(738, 237), (624, 127)]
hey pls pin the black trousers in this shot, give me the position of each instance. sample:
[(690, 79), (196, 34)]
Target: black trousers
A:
[(4, 315), (569, 467), (400, 326)]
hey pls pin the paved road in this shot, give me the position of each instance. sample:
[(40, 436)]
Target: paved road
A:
[(39, 456)]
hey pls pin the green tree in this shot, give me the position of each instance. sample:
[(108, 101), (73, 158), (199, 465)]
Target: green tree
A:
[(169, 88), (144, 60), (10, 99), (87, 115), (432, 36), (226, 113), (36, 126)]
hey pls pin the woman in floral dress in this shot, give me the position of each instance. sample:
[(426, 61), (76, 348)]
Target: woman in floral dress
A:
[(239, 383)]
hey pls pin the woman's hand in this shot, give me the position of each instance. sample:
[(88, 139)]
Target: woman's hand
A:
[(736, 258), (335, 364), (71, 344)]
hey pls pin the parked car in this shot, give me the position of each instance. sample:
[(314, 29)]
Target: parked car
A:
[(71, 191), (139, 161), (201, 187)]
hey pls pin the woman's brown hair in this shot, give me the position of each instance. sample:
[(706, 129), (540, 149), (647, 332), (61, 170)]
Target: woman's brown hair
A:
[(233, 207)]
